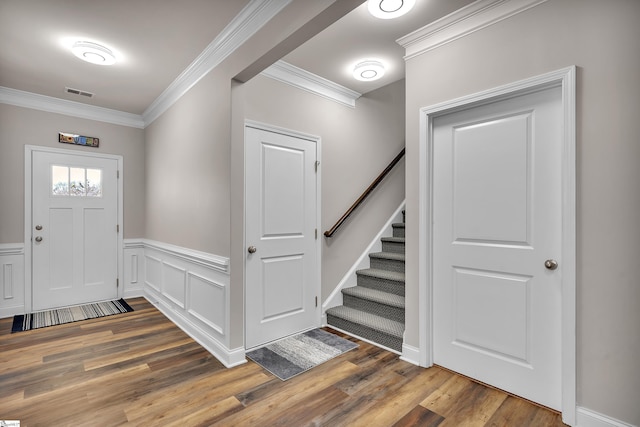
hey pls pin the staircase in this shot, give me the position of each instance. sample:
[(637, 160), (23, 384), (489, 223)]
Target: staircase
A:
[(374, 309)]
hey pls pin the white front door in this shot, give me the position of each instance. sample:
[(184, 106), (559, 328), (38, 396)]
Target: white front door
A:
[(282, 271), (496, 222), (74, 236)]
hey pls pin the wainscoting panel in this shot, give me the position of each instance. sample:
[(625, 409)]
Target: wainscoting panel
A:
[(133, 268), (192, 289), (11, 279), (174, 283), (207, 301)]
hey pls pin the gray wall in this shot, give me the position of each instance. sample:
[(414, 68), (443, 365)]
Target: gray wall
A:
[(357, 144), (601, 39), (24, 126), (187, 173)]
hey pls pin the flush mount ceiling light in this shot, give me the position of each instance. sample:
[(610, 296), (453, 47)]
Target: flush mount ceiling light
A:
[(389, 9), (93, 53), (368, 70)]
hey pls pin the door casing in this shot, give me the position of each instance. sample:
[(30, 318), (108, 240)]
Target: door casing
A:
[(564, 78), (318, 141), (28, 150)]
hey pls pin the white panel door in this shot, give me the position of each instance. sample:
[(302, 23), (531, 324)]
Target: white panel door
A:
[(74, 237), (496, 221), (281, 258)]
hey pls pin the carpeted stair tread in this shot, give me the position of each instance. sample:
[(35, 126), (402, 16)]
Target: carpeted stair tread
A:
[(377, 273), (371, 321), (388, 255), (393, 239), (374, 295)]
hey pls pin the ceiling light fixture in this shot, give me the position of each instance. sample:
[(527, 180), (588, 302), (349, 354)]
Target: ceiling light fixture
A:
[(368, 70), (93, 53), (389, 9)]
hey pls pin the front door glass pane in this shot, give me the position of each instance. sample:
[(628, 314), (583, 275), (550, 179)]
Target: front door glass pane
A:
[(77, 181), (59, 180)]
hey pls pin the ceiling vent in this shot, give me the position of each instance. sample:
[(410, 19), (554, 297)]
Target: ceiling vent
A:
[(78, 92)]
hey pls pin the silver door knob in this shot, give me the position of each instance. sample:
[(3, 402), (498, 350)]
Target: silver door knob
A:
[(551, 264), (38, 227), (252, 249), (38, 239)]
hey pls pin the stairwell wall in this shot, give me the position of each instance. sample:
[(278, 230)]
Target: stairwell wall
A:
[(357, 143), (598, 37)]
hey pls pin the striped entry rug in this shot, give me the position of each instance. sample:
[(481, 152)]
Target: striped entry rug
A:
[(42, 319), (299, 353)]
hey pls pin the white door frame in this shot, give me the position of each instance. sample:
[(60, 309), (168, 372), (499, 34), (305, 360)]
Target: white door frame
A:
[(28, 152), (318, 141), (564, 78)]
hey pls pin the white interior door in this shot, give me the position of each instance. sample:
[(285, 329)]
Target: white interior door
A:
[(74, 236), (496, 222), (282, 275)]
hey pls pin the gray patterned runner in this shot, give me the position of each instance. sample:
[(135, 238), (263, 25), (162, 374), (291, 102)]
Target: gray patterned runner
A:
[(42, 319)]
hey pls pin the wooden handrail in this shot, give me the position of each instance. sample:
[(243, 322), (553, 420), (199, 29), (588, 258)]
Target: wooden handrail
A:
[(364, 195)]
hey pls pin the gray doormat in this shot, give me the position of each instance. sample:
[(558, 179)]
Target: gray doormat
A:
[(299, 353)]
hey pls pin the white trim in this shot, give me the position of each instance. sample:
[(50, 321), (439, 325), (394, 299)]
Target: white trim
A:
[(215, 262), (318, 143), (302, 79), (28, 152), (284, 131), (350, 279), (410, 354), (253, 17), (11, 279), (588, 418), (228, 357), (566, 79), (11, 249), (50, 104), (467, 20)]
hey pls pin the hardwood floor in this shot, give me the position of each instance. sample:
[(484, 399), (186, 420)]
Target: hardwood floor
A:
[(140, 369)]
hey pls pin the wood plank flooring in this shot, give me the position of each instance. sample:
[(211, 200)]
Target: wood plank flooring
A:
[(139, 369)]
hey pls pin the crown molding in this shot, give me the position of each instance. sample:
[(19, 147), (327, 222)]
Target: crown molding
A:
[(253, 17), (467, 20), (50, 104), (302, 79)]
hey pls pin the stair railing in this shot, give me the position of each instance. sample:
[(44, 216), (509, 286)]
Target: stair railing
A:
[(364, 195)]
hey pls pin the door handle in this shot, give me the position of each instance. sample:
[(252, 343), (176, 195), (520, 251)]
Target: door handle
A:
[(252, 249), (38, 227), (551, 264), (38, 239)]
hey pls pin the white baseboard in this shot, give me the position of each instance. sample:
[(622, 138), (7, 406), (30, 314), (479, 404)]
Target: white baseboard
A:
[(410, 354), (227, 357), (588, 418)]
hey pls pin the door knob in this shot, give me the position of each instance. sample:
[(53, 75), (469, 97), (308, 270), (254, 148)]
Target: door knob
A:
[(252, 249), (551, 264), (38, 227), (38, 239)]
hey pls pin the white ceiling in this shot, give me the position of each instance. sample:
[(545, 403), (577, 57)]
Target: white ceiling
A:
[(158, 39)]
